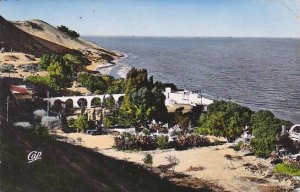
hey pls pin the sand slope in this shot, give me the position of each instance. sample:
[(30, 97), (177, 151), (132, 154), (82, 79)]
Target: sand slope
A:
[(44, 33), (22, 39), (16, 40)]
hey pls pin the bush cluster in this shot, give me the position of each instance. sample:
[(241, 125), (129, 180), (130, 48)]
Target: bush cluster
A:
[(147, 142), (66, 30), (135, 142), (187, 141), (101, 84), (289, 167)]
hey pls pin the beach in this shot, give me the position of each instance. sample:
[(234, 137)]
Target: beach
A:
[(114, 68)]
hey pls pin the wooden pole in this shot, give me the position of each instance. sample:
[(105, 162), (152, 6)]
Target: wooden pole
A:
[(7, 99)]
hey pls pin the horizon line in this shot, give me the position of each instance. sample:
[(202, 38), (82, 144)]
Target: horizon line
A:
[(229, 37)]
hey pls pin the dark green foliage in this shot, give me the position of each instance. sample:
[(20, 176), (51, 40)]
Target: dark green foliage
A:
[(47, 59), (182, 119), (138, 142), (163, 86), (43, 84), (109, 102), (238, 146), (291, 168), (195, 114), (265, 127), (225, 119), (81, 123), (143, 100), (62, 71), (108, 121), (148, 159), (71, 122), (69, 32), (101, 84), (162, 142)]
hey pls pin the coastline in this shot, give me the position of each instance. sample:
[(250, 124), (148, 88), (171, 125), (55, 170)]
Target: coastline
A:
[(114, 68)]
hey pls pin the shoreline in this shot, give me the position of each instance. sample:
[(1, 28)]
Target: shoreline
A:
[(114, 68)]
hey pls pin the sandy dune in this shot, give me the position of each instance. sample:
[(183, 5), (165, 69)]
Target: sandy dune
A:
[(232, 175), (34, 38), (45, 33)]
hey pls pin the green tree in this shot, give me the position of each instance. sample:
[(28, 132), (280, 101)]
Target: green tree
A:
[(225, 119), (72, 64), (143, 100), (181, 118), (109, 102), (265, 127), (81, 123), (58, 76), (108, 121), (67, 31)]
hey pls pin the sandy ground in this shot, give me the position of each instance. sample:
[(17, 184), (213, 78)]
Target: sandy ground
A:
[(17, 60), (229, 174), (77, 88)]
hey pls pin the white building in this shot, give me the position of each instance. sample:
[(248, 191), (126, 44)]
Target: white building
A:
[(185, 97)]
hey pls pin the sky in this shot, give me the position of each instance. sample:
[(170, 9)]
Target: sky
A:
[(184, 18)]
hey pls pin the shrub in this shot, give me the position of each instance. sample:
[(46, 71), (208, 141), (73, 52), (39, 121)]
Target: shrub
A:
[(202, 131), (187, 141), (134, 142), (148, 159), (264, 128), (40, 130), (23, 124), (172, 160), (71, 122), (108, 121), (138, 142), (39, 113), (81, 123), (51, 122), (162, 142), (238, 146), (263, 147), (291, 168), (69, 32)]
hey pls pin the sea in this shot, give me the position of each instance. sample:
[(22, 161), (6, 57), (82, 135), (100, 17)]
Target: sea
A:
[(260, 73)]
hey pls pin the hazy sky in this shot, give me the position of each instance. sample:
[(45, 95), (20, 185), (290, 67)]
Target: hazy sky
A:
[(243, 18)]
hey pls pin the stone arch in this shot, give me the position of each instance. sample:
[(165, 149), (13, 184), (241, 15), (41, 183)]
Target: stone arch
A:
[(96, 102), (120, 100), (82, 102), (69, 103), (109, 101), (57, 105)]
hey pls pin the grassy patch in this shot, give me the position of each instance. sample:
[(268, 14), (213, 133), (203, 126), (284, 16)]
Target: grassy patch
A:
[(288, 169)]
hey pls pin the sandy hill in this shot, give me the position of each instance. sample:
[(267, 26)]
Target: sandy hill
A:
[(36, 37), (44, 32), (12, 38)]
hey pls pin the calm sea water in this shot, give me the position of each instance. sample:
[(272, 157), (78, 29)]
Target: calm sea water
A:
[(257, 72)]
